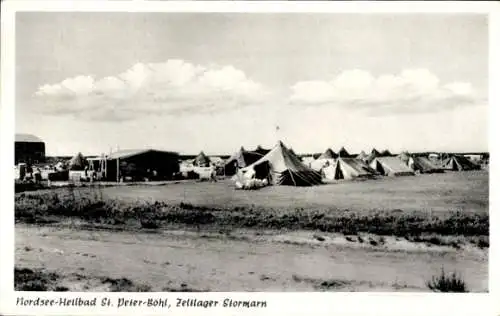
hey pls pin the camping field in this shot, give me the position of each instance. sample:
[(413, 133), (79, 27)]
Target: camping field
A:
[(389, 234)]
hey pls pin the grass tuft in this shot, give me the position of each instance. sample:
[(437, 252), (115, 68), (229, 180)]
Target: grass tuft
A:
[(447, 283)]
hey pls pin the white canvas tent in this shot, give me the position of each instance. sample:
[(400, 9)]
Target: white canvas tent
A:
[(280, 167), (348, 169), (423, 165), (391, 166), (324, 160)]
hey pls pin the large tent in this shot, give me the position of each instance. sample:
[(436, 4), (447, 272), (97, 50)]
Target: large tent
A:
[(423, 165), (281, 167), (460, 163), (391, 166), (77, 162), (240, 159), (348, 169), (201, 160)]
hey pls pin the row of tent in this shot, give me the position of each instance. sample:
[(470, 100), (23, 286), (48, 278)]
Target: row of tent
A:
[(281, 166)]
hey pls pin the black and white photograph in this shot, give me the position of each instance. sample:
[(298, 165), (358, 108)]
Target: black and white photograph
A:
[(251, 152)]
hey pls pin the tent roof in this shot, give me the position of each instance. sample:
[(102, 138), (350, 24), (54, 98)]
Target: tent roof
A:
[(77, 161), (244, 158), (362, 155), (27, 138), (201, 159), (328, 154), (386, 152), (343, 152), (125, 153), (261, 150)]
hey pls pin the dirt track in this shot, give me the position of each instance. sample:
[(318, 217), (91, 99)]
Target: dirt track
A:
[(242, 260)]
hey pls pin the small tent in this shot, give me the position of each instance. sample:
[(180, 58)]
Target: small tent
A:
[(321, 163), (240, 159), (328, 154), (391, 166), (324, 160), (423, 165), (343, 153), (348, 169), (316, 155), (374, 154), (362, 156), (460, 163), (280, 167), (385, 153), (77, 162), (404, 156), (201, 160)]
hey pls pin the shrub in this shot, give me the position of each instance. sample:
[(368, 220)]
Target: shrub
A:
[(447, 283)]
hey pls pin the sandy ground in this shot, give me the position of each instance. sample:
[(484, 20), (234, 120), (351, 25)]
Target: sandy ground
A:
[(242, 261)]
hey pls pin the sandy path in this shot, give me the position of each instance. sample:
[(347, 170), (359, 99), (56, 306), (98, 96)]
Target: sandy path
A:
[(218, 263)]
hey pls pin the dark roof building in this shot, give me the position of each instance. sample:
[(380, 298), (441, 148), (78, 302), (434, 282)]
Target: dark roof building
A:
[(141, 164), (28, 149)]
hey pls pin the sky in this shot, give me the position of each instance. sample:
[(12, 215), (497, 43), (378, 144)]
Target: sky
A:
[(187, 82)]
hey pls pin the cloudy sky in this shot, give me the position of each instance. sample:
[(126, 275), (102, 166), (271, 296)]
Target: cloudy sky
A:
[(188, 82)]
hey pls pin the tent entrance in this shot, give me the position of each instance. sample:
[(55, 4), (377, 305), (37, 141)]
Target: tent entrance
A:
[(380, 168), (262, 170), (338, 172)]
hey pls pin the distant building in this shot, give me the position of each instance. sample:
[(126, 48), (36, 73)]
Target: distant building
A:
[(136, 165), (29, 149)]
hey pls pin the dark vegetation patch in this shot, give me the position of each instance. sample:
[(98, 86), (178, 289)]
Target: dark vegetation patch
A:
[(35, 280), (48, 207), (447, 283), (40, 280)]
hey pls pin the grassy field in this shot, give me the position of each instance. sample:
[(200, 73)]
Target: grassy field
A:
[(444, 204), (193, 236), (453, 191)]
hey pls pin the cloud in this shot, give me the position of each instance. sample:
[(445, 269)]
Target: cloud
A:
[(172, 87), (413, 90)]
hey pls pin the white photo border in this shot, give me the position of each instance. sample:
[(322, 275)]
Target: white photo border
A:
[(277, 303)]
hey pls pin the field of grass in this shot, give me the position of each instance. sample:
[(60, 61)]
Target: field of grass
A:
[(445, 204), (211, 237), (454, 191)]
